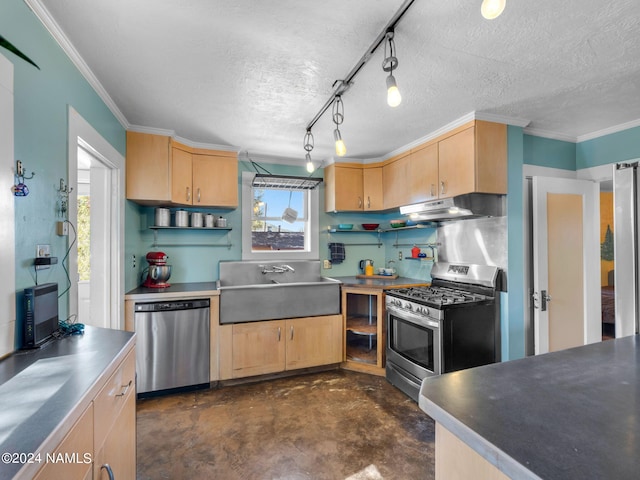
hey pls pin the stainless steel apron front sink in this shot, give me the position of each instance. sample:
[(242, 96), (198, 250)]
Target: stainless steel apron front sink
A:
[(252, 291)]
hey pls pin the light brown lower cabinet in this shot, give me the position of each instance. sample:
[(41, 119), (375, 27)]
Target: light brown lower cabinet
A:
[(259, 348), (455, 460), (103, 439)]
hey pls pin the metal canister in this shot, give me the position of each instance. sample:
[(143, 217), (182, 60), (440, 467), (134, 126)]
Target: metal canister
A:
[(181, 218), (163, 217), (221, 222), (209, 221), (197, 220)]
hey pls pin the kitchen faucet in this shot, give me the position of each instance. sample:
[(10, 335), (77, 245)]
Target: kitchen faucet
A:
[(276, 269)]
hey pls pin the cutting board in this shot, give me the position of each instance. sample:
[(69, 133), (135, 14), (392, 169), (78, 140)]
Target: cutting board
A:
[(385, 277)]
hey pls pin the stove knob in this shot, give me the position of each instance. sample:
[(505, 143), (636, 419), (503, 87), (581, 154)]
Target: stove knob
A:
[(408, 306)]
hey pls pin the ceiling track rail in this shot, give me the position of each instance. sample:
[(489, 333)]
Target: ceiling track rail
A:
[(341, 86)]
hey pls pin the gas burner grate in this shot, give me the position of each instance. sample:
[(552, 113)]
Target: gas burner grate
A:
[(439, 296)]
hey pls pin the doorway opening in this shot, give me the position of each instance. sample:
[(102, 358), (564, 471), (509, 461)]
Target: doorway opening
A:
[(607, 284), (94, 243), (96, 205)]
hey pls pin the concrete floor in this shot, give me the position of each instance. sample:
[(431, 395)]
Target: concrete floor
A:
[(331, 425)]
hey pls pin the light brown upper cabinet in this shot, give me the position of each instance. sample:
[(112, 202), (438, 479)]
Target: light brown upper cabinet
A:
[(473, 159), (470, 158), (372, 188), (163, 172), (353, 187), (423, 173), (395, 181)]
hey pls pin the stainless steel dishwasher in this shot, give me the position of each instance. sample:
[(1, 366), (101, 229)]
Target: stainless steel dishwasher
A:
[(172, 346)]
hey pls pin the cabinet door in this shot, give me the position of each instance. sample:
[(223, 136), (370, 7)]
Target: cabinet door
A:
[(215, 181), (148, 167), (423, 174), (456, 164), (372, 188), (258, 348), (314, 341), (77, 445), (181, 174), (348, 195), (395, 181), (118, 452)]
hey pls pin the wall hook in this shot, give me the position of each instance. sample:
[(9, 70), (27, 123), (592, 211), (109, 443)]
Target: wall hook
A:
[(20, 172)]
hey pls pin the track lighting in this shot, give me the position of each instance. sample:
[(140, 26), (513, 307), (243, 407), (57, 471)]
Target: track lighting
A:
[(338, 118), (310, 167), (388, 64), (308, 146), (491, 9)]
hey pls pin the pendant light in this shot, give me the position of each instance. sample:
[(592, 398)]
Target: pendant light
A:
[(491, 9), (388, 64), (308, 146), (338, 118)]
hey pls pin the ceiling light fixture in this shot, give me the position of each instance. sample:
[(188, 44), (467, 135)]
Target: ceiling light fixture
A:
[(491, 9), (338, 117), (341, 86), (388, 64), (308, 146)]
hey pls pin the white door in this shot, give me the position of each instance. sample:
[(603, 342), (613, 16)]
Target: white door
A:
[(566, 264)]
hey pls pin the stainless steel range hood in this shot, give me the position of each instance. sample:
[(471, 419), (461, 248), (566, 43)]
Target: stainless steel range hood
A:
[(471, 205)]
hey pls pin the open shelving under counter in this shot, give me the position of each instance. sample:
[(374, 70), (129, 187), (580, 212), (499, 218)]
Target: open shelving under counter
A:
[(364, 319)]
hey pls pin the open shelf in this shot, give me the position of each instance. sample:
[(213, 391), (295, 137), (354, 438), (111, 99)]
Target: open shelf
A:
[(361, 326), (362, 354)]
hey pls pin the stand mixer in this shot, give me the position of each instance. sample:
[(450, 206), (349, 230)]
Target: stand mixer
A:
[(159, 272)]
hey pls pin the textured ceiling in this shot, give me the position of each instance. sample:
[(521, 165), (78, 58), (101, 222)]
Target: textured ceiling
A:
[(251, 75)]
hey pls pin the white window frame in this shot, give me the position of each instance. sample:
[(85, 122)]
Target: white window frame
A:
[(312, 235)]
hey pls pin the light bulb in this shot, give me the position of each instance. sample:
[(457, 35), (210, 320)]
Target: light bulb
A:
[(341, 148), (310, 167), (491, 9), (393, 94)]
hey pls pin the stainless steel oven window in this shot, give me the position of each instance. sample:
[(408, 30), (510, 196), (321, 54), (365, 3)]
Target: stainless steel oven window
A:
[(419, 344)]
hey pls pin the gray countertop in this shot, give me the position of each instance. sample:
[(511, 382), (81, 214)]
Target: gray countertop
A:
[(563, 415), (384, 283), (40, 388), (176, 290)]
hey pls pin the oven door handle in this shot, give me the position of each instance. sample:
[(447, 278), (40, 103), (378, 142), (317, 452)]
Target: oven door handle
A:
[(413, 317)]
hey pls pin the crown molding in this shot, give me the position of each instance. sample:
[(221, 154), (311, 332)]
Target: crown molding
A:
[(54, 29), (609, 130), (491, 117), (152, 130), (206, 146), (537, 132)]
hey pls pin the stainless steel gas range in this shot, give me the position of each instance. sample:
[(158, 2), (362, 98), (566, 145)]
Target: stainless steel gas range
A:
[(451, 325)]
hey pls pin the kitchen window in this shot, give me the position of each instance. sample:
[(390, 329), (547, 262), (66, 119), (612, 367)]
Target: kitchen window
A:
[(278, 223)]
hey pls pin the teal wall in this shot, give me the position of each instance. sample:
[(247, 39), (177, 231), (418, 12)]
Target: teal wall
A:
[(200, 263), (41, 101), (513, 302), (613, 148), (546, 152)]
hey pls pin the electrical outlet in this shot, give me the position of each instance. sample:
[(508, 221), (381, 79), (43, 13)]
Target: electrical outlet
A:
[(400, 255), (326, 264), (133, 261)]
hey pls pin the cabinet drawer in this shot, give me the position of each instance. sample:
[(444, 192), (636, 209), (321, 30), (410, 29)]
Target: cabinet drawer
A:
[(109, 402), (71, 460)]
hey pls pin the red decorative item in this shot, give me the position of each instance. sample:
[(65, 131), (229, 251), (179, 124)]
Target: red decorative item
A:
[(415, 251), (159, 272)]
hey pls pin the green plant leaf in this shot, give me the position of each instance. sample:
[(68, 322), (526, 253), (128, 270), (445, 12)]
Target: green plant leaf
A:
[(9, 46)]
